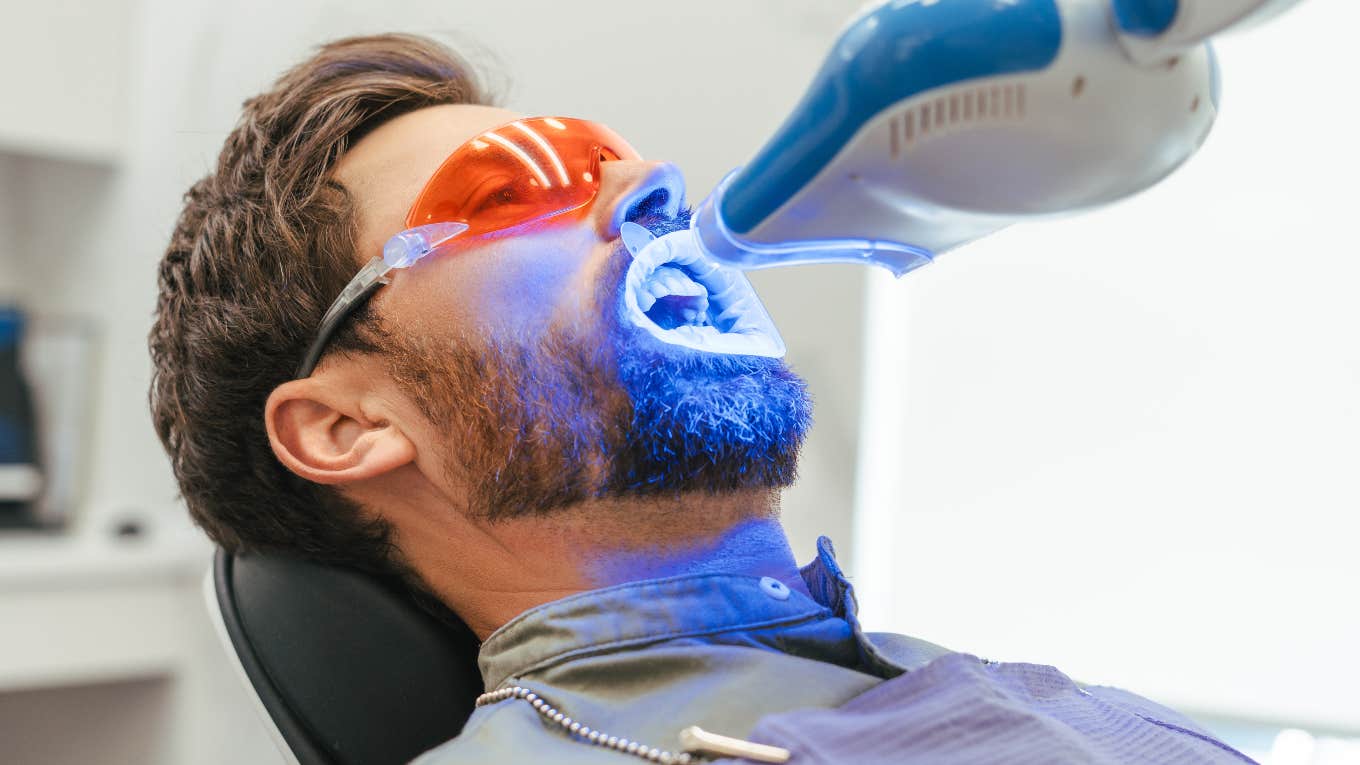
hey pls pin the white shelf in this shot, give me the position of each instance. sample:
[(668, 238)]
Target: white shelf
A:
[(39, 561), (90, 150), (85, 622), (83, 611)]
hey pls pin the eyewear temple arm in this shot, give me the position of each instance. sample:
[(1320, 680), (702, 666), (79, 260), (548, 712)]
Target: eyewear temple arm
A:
[(401, 251)]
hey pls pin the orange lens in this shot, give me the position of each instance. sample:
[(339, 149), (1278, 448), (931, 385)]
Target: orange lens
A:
[(520, 172)]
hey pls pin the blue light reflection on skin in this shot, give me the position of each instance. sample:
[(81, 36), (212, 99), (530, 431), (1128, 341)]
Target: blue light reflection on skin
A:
[(592, 413), (755, 547), (704, 421)]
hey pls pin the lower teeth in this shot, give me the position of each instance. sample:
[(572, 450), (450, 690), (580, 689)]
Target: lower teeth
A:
[(672, 311), (739, 325)]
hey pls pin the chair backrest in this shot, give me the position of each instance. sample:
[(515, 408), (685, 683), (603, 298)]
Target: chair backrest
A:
[(347, 666)]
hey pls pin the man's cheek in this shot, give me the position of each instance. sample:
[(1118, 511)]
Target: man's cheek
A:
[(534, 292)]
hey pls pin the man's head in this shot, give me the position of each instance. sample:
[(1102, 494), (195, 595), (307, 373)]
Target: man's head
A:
[(493, 381)]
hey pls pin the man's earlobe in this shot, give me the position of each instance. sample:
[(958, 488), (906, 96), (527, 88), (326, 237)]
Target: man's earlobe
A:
[(323, 435)]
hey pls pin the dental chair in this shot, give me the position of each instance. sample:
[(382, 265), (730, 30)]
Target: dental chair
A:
[(346, 668)]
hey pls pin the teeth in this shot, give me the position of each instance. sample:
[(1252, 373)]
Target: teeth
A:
[(675, 265), (667, 281), (677, 282), (733, 312)]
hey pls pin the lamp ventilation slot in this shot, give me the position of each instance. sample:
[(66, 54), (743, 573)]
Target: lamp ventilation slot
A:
[(940, 115)]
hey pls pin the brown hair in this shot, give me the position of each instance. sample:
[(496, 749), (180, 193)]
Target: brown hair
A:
[(262, 247)]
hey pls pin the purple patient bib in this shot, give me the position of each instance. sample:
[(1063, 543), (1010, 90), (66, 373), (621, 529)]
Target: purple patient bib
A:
[(960, 710)]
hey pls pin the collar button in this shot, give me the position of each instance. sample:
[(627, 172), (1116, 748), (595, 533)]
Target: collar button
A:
[(774, 588)]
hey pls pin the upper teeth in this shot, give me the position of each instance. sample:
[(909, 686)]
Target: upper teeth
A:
[(675, 265), (669, 280)]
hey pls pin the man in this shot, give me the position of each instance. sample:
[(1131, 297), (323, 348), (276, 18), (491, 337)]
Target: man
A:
[(599, 505)]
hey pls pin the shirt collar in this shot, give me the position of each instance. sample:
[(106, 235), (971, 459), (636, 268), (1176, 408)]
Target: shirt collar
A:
[(827, 583), (636, 614)]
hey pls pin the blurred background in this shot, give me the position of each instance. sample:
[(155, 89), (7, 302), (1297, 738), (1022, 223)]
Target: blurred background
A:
[(1124, 443)]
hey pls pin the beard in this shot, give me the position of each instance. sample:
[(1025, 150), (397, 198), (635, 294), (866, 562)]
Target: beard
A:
[(604, 411)]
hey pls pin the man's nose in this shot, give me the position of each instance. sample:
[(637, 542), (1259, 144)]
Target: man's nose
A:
[(631, 188)]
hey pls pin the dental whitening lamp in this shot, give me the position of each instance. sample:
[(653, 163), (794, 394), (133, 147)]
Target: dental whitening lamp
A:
[(936, 122)]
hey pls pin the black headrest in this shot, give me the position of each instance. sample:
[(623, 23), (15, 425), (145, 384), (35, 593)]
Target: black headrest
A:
[(348, 665)]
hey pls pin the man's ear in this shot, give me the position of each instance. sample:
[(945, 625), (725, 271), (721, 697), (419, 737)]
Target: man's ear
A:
[(322, 434)]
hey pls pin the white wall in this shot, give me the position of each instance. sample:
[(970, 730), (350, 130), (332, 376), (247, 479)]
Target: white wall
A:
[(1127, 443), (47, 110)]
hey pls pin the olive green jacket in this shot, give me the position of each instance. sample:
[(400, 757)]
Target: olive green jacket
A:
[(643, 660)]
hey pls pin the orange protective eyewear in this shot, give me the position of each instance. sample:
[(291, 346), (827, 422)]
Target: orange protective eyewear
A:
[(522, 172)]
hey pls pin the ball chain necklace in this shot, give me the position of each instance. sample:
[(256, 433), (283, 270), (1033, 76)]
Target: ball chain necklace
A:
[(699, 744)]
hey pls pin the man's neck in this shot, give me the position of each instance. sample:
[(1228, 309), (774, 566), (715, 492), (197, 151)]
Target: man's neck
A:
[(755, 546), (495, 571)]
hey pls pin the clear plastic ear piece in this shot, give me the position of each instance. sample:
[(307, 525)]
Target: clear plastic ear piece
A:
[(401, 251), (373, 273), (413, 244)]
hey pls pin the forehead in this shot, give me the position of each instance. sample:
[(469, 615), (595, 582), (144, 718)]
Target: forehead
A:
[(387, 168)]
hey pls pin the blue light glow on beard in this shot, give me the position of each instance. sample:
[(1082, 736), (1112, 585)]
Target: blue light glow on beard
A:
[(602, 410), (704, 421)]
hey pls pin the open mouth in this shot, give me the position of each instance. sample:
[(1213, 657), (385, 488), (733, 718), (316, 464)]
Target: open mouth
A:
[(683, 297)]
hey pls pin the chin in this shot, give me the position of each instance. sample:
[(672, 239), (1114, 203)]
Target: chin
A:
[(704, 421), (708, 416)]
